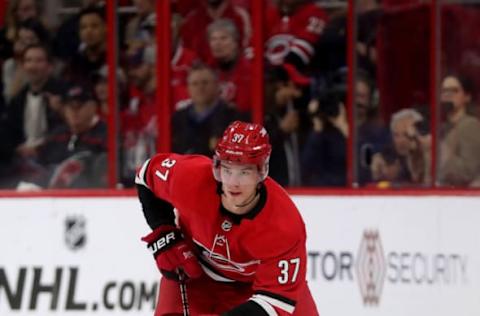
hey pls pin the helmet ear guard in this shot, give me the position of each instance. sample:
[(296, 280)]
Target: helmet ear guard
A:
[(243, 143)]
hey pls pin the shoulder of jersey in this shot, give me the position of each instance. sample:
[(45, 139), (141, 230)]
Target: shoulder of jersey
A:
[(191, 168)]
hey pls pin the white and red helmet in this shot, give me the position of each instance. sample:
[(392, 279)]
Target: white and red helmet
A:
[(244, 143)]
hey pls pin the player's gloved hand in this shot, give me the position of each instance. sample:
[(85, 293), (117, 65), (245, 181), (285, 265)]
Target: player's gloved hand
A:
[(171, 252)]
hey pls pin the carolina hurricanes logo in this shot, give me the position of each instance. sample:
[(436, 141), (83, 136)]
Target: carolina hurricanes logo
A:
[(220, 257), (278, 47), (228, 90)]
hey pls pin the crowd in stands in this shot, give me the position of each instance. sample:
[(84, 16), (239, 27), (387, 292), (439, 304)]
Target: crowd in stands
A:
[(54, 95)]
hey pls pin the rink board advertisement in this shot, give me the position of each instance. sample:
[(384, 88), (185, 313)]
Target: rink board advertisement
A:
[(366, 256)]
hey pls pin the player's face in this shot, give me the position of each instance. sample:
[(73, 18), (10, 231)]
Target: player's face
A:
[(239, 183)]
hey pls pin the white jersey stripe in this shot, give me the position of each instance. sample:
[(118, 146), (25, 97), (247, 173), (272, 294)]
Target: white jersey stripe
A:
[(265, 305), (303, 44), (214, 275), (275, 302), (140, 177), (305, 58)]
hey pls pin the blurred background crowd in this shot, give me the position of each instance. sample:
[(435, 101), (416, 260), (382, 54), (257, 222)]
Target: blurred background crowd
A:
[(54, 103)]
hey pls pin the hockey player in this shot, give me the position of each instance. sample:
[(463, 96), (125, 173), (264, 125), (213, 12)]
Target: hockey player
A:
[(236, 234)]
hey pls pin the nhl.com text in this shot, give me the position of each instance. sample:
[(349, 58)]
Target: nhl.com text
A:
[(57, 290)]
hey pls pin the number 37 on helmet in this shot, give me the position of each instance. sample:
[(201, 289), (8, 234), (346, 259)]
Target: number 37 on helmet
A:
[(243, 143)]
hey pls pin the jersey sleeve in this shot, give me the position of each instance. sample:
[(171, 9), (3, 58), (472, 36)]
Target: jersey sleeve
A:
[(162, 181), (169, 175), (280, 278), (311, 23), (306, 30), (158, 175)]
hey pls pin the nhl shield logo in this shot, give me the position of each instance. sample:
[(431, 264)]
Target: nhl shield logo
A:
[(75, 233), (226, 225)]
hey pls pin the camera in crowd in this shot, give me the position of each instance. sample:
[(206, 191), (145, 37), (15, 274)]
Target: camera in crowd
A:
[(329, 102)]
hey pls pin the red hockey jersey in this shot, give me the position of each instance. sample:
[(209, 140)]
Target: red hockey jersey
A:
[(235, 84), (265, 248), (296, 33)]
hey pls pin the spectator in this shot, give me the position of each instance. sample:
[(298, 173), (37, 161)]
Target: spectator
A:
[(35, 110), (460, 144), (182, 58), (74, 153), (324, 155), (198, 127), (194, 29), (139, 119), (293, 28), (100, 85), (402, 127), (29, 32), (372, 133), (287, 123), (137, 33), (232, 68), (18, 12), (182, 61), (419, 160), (388, 170), (330, 50), (66, 42), (92, 53), (141, 75), (369, 14)]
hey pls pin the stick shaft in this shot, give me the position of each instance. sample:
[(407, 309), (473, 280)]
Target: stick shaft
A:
[(183, 293)]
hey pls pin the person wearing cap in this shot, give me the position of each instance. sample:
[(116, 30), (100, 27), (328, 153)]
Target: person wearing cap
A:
[(82, 139), (138, 118), (287, 122)]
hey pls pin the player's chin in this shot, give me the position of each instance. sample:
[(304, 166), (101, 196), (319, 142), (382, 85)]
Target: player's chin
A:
[(236, 198)]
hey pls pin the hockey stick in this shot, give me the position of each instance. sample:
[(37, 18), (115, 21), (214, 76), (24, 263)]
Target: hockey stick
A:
[(183, 292)]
